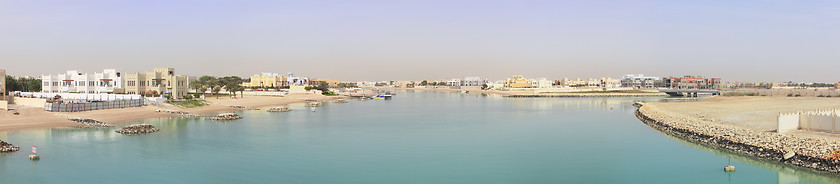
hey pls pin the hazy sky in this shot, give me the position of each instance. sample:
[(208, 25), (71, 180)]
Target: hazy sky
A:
[(745, 40)]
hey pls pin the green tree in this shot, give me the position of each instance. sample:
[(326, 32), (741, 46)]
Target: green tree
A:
[(424, 83)]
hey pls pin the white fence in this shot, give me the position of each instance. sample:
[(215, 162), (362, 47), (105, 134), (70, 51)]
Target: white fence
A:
[(78, 107), (820, 120), (82, 96)]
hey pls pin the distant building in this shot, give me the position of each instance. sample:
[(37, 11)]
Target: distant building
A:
[(607, 82), (266, 80), (639, 81), (4, 105), (473, 81), (161, 81), (293, 80), (331, 83), (542, 83), (453, 82), (517, 81), (837, 85), (691, 82), (74, 81)]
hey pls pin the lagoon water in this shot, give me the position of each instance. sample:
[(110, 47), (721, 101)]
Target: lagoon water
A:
[(418, 137)]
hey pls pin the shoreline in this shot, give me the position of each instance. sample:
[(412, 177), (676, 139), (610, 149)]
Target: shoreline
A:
[(760, 144), (36, 118), (523, 94)]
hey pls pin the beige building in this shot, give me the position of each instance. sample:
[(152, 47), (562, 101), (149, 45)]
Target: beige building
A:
[(4, 105), (517, 81), (161, 81), (271, 80)]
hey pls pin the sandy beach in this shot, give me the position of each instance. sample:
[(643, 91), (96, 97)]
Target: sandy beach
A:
[(37, 118)]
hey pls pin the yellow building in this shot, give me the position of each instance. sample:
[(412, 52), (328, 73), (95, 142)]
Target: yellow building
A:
[(517, 81), (271, 80), (161, 81), (4, 105)]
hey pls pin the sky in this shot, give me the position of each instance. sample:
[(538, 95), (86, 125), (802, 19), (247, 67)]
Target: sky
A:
[(745, 40)]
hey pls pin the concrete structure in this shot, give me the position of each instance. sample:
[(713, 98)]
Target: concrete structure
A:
[(266, 80), (74, 81), (517, 81), (821, 120), (542, 83), (639, 81), (293, 80), (691, 82), (162, 81)]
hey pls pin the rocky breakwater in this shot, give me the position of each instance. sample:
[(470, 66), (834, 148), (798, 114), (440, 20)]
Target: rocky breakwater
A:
[(226, 116), (7, 147), (314, 104), (91, 122), (279, 109), (243, 107), (138, 129), (810, 153), (177, 113), (341, 101)]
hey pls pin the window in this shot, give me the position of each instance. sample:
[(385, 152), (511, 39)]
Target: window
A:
[(46, 83), (92, 83)]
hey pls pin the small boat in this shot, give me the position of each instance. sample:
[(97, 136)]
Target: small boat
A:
[(386, 97)]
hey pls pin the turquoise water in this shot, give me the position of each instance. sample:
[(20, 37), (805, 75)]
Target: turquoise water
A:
[(418, 137)]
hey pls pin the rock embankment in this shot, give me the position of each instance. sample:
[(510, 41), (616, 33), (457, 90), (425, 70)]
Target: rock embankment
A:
[(810, 152), (279, 109), (226, 116), (7, 147), (138, 129), (91, 122)]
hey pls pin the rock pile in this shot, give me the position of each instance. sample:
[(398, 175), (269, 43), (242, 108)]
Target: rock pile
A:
[(138, 129), (226, 116), (279, 109), (314, 104), (341, 101), (243, 107), (6, 147), (91, 122), (177, 112), (810, 152)]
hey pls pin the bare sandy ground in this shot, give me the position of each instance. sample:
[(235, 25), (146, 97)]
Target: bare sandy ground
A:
[(37, 118), (757, 113)]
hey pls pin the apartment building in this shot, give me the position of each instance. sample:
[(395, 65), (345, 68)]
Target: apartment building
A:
[(74, 81), (517, 81), (293, 80), (691, 82), (639, 81), (161, 81), (270, 80)]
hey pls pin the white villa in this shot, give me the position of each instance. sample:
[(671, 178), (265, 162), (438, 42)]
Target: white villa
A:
[(74, 81)]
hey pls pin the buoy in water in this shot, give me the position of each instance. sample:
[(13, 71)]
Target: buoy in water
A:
[(313, 109), (729, 167), (34, 157)]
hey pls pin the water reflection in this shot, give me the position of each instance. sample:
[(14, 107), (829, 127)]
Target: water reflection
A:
[(786, 174)]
